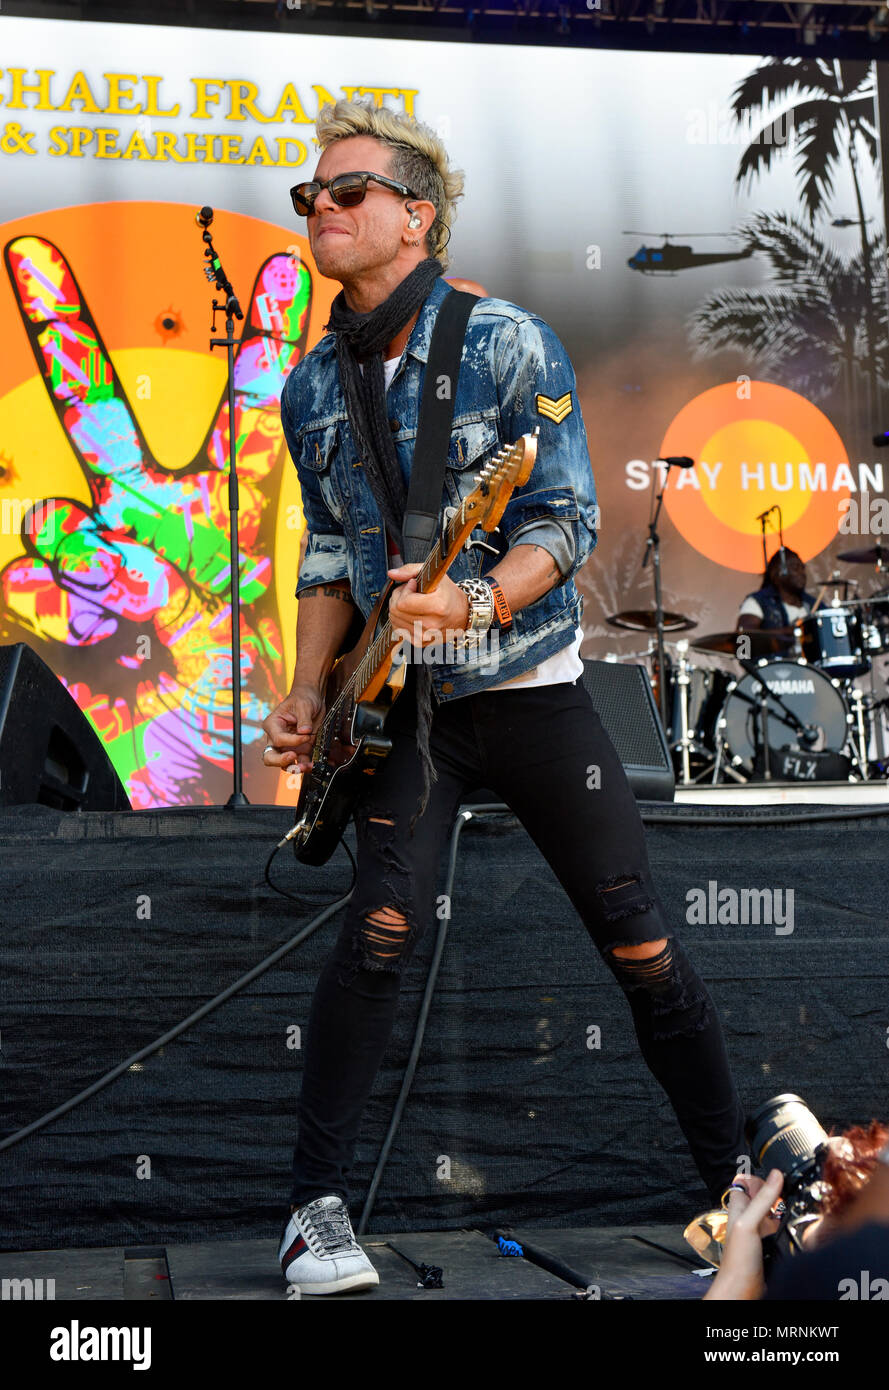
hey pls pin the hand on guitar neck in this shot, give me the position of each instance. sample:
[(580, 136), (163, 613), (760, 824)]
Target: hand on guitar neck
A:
[(425, 618)]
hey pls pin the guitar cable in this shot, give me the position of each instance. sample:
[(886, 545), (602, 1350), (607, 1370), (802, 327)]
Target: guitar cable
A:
[(305, 902)]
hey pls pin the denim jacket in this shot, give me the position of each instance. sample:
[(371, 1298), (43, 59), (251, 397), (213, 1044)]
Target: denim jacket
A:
[(515, 375)]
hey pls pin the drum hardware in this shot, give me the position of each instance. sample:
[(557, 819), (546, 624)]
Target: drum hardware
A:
[(695, 695), (879, 766), (857, 700), (692, 698), (875, 624), (682, 684)]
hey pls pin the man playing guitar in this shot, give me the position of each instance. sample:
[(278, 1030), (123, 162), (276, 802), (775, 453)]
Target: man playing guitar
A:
[(378, 214)]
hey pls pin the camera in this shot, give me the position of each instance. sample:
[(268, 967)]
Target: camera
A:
[(783, 1133)]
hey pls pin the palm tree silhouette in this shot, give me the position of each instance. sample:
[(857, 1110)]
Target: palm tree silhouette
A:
[(829, 105), (806, 329)]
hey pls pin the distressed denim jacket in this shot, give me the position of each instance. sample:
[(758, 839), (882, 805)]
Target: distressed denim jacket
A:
[(514, 376)]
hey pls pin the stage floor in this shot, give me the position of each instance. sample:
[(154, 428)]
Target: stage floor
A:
[(568, 1264), (875, 793)]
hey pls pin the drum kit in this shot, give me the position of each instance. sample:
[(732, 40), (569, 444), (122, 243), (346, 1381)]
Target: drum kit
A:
[(793, 712)]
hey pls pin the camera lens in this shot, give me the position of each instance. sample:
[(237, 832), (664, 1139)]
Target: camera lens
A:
[(784, 1134)]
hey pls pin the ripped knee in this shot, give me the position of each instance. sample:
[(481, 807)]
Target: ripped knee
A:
[(625, 895), (643, 951), (384, 928), (680, 1004), (384, 933)]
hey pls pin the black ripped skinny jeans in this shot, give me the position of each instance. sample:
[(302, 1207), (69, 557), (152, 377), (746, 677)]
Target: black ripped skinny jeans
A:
[(543, 750)]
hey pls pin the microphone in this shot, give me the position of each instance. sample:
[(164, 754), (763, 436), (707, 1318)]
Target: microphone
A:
[(880, 441), (782, 567), (683, 461), (204, 217), (762, 516)]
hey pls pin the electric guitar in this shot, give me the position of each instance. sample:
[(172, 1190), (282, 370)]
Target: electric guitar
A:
[(363, 684)]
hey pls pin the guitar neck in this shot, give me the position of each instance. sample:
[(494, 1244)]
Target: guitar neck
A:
[(437, 563)]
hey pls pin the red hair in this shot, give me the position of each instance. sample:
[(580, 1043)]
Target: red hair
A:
[(847, 1171)]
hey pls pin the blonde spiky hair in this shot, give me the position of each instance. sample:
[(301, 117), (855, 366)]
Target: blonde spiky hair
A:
[(419, 159)]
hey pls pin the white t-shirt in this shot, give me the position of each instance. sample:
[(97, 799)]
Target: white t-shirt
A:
[(565, 665), (751, 608)]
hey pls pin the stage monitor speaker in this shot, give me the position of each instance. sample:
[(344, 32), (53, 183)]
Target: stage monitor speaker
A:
[(49, 752), (624, 701)]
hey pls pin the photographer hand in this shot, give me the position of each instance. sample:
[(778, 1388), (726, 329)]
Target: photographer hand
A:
[(740, 1274)]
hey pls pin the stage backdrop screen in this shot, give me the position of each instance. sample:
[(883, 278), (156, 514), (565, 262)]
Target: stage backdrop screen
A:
[(706, 235)]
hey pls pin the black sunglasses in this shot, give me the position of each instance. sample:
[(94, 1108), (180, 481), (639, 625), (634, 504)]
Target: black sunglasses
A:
[(346, 190)]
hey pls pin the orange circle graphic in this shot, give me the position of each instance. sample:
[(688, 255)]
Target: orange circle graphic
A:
[(755, 444)]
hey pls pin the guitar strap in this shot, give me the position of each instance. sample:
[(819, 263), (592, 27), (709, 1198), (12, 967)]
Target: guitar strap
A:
[(423, 510)]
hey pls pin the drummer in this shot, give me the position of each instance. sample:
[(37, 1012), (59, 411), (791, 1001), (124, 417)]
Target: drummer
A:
[(782, 601)]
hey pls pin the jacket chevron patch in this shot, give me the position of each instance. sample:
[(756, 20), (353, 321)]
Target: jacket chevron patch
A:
[(555, 410)]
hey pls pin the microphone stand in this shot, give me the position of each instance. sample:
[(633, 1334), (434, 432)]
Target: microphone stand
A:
[(653, 550), (214, 271), (762, 519)]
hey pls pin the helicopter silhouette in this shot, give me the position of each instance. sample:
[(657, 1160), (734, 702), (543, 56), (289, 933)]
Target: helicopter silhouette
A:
[(669, 258)]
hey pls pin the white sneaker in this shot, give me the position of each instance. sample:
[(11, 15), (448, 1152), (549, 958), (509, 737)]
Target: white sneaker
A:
[(319, 1252)]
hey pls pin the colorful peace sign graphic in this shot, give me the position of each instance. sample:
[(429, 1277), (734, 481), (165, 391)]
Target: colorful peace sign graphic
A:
[(124, 588)]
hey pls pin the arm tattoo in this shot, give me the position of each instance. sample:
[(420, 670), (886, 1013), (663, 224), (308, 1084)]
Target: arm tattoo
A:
[(327, 591), (555, 572)]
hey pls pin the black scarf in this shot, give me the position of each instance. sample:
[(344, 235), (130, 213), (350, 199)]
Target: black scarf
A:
[(362, 338)]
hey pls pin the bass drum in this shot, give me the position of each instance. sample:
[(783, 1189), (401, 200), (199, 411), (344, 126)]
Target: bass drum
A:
[(809, 694)]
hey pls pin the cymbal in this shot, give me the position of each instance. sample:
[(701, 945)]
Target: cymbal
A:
[(644, 620), (836, 583), (763, 642), (875, 556)]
